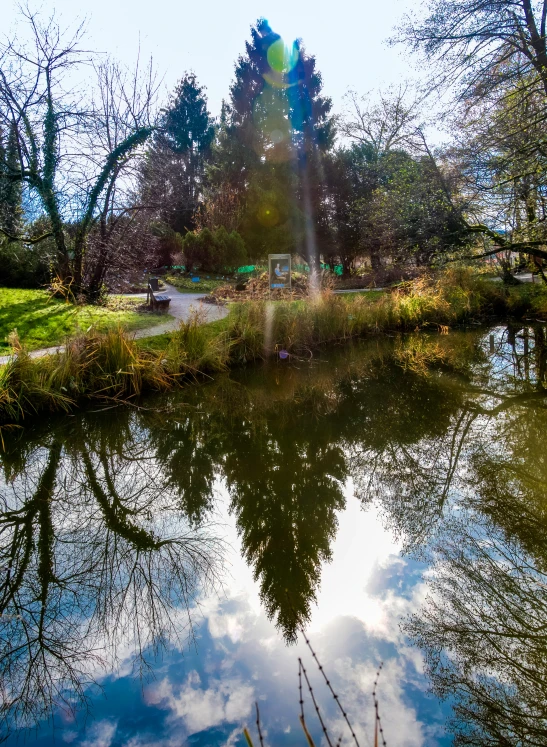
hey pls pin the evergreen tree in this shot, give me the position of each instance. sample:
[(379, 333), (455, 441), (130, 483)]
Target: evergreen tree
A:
[(277, 126), (11, 210), (276, 100), (172, 179)]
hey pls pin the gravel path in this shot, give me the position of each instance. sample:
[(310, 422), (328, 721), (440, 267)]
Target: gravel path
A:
[(180, 308)]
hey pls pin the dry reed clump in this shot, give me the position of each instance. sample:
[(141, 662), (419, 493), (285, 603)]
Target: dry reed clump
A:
[(258, 288), (26, 387), (193, 350), (261, 328), (111, 366), (104, 366)]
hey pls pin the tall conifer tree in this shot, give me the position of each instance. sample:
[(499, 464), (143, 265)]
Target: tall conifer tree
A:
[(173, 175), (278, 125), (11, 210)]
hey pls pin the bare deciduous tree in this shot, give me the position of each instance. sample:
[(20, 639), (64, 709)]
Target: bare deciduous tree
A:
[(75, 155), (95, 553), (480, 44), (384, 124)]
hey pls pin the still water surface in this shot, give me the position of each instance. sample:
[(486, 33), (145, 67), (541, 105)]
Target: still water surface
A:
[(158, 564)]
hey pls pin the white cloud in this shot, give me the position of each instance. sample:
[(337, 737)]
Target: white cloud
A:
[(100, 734), (231, 626), (139, 741), (233, 738), (361, 599), (225, 701)]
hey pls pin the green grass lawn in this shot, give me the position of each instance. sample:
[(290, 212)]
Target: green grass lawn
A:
[(157, 343), (372, 295), (42, 322)]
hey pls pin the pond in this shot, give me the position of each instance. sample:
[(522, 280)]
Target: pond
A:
[(162, 565)]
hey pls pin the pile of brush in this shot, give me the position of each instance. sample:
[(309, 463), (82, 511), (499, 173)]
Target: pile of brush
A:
[(258, 288)]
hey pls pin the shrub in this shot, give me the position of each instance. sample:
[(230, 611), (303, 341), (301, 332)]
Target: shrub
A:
[(214, 251), (23, 267)]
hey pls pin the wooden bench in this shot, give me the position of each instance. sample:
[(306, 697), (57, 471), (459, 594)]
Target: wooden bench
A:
[(156, 301)]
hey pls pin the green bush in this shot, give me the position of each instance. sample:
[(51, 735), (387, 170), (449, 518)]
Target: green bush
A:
[(23, 267), (214, 251)]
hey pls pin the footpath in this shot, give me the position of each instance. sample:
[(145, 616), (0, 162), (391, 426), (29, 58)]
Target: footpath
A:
[(181, 307)]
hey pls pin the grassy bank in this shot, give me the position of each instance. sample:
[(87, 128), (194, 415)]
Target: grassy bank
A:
[(43, 322), (112, 367), (185, 284)]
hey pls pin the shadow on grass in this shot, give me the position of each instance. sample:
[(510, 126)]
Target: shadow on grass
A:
[(40, 322)]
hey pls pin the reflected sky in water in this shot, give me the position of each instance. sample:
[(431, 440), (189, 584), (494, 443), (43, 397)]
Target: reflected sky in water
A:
[(204, 693), (346, 497)]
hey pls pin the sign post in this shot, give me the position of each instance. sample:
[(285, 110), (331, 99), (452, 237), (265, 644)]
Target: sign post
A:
[(279, 266)]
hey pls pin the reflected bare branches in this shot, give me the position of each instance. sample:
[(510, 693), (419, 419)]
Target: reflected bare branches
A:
[(96, 558), (484, 635)]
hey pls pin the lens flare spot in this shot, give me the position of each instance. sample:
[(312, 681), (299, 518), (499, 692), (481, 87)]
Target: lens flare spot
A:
[(268, 216), (276, 136), (272, 123), (282, 58)]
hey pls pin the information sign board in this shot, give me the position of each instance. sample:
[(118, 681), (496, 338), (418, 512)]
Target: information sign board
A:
[(280, 270)]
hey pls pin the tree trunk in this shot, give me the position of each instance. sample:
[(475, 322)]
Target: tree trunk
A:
[(375, 260)]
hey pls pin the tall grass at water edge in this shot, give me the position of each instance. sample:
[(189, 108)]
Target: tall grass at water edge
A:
[(258, 329), (113, 367)]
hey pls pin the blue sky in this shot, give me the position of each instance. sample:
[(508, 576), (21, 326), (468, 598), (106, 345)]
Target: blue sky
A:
[(347, 37)]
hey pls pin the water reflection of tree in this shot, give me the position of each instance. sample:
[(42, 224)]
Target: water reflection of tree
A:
[(461, 473), (190, 457), (285, 482), (483, 629), (409, 435), (484, 635), (94, 554), (100, 537), (416, 439), (279, 453), (520, 356)]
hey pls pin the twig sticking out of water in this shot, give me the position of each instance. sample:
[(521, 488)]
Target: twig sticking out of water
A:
[(311, 743), (334, 695), (310, 688), (378, 720), (301, 701), (246, 733), (258, 725)]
